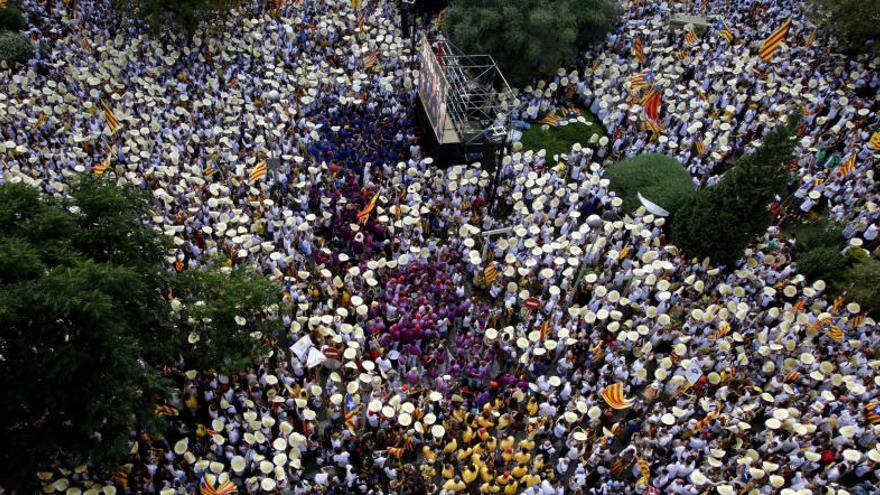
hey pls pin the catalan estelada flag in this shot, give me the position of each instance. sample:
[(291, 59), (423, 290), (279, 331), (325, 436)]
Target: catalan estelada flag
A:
[(364, 214), (597, 353), (690, 37), (211, 169), (771, 44), (112, 121), (872, 412), (259, 171), (351, 412), (724, 31), (638, 49)]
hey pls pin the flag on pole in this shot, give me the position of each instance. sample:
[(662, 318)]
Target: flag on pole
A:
[(613, 396), (654, 126), (225, 488), (638, 49), (641, 79), (857, 321), (699, 146), (874, 142), (490, 273), (364, 214), (351, 412), (356, 4), (164, 410), (724, 30), (872, 412), (112, 121), (652, 105), (211, 169), (545, 329), (771, 44), (847, 166), (690, 37), (259, 171), (102, 167), (811, 39), (370, 59), (834, 332), (597, 353), (645, 469), (705, 421), (838, 302), (39, 123)]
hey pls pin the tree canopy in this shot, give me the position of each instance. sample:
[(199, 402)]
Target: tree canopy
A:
[(90, 317), (853, 23), (720, 221), (527, 38), (178, 15)]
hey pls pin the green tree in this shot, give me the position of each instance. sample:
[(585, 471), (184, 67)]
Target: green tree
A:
[(15, 48), (659, 178), (87, 324), (719, 222), (862, 279), (853, 23), (11, 18), (528, 38), (178, 15)]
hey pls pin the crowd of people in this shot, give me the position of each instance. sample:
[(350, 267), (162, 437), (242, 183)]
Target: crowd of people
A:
[(576, 352)]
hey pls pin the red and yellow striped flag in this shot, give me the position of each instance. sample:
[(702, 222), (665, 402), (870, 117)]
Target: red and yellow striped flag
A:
[(645, 469), (613, 396), (872, 412), (705, 421), (165, 410), (638, 49), (847, 166), (699, 147), (39, 123), (874, 142), (102, 167), (811, 39), (545, 329), (838, 302), (259, 171), (834, 332), (490, 273), (364, 214), (110, 117), (771, 44), (857, 321), (690, 37)]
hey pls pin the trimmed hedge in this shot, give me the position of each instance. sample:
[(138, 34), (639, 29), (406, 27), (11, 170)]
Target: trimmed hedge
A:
[(11, 18), (15, 48), (660, 179)]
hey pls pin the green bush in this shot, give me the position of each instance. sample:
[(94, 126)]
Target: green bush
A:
[(822, 263), (660, 179), (11, 18), (15, 48), (719, 222), (862, 281)]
